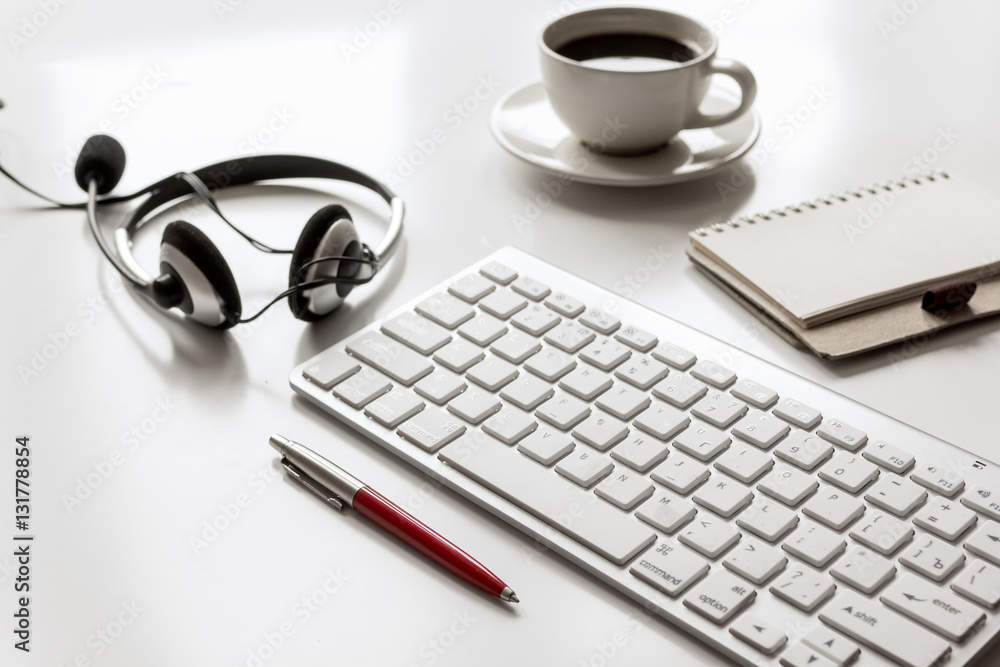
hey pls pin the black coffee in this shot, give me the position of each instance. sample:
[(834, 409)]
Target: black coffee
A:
[(629, 51)]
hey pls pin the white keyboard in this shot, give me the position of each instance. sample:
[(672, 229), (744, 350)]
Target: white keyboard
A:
[(781, 523)]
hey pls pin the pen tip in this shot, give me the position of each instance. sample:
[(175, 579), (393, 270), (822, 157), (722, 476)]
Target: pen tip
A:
[(278, 442), (508, 595)]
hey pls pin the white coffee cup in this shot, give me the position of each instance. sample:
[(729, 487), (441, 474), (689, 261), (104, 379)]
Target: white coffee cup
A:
[(628, 103)]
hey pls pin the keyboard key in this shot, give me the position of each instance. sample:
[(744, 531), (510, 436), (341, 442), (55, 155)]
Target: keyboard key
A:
[(719, 409), (503, 303), (586, 382), (801, 655), (598, 526), (670, 568), (624, 401), (714, 374), (389, 356), (546, 445), (759, 634), (767, 519), (945, 518), (942, 479), (929, 605), (888, 456), (459, 355), (723, 496), (431, 429), (471, 287), (680, 391), (760, 429), (394, 407), (788, 485), (474, 405), (527, 392), (483, 329), (863, 569), (531, 288), (492, 373), (702, 441), (720, 597), (570, 336), (510, 425), (605, 353), (550, 364), (361, 388), (585, 466), (803, 587), (754, 393), (516, 346), (985, 542), (563, 411), (601, 431), (330, 369), (980, 583), (755, 561), (814, 544), (636, 338), (680, 473), (600, 321), (932, 558), (674, 355), (446, 310), (798, 413), (564, 304), (839, 433), (440, 387), (882, 533), (640, 452), (743, 463), (624, 489), (498, 272), (834, 508), (666, 511), (662, 421), (985, 500), (832, 645), (803, 450), (896, 494), (535, 319), (709, 535), (849, 471), (642, 371), (883, 630)]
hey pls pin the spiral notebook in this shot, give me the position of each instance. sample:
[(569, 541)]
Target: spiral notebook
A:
[(846, 273)]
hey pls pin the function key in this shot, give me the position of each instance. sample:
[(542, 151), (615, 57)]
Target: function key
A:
[(600, 321), (637, 338), (942, 479), (564, 304), (716, 375), (471, 287), (983, 500), (889, 457), (498, 272), (675, 355), (798, 413), (839, 433), (755, 393), (531, 288)]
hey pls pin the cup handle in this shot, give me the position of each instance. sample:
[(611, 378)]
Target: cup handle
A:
[(748, 85)]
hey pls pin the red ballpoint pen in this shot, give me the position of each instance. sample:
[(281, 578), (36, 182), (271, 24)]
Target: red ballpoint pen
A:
[(338, 488)]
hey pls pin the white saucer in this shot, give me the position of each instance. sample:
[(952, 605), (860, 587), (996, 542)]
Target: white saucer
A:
[(524, 123)]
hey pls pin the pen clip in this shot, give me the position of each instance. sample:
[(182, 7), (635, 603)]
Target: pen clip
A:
[(304, 480)]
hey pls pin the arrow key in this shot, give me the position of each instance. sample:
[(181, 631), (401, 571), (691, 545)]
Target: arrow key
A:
[(801, 655), (758, 633), (832, 645)]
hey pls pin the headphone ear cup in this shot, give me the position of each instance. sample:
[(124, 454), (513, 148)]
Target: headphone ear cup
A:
[(329, 232), (210, 296)]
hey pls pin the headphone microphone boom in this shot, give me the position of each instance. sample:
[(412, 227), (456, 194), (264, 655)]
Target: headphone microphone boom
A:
[(328, 259)]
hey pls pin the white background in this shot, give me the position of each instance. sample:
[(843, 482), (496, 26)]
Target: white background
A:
[(850, 93)]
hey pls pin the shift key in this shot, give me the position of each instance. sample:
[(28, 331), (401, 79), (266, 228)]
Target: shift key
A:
[(884, 630), (389, 356)]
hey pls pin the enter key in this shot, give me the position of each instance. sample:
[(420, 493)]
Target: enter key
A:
[(934, 607)]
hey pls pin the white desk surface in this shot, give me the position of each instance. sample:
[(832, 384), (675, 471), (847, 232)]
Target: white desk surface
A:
[(168, 422)]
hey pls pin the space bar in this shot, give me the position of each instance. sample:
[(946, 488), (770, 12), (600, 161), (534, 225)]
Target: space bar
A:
[(556, 501)]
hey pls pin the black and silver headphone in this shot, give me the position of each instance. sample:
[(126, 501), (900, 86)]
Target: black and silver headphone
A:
[(328, 260)]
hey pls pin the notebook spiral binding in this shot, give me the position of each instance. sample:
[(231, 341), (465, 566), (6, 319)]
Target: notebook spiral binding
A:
[(857, 193)]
